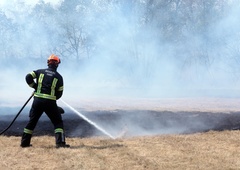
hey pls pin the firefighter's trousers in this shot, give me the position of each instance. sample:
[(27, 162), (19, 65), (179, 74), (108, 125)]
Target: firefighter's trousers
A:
[(39, 106)]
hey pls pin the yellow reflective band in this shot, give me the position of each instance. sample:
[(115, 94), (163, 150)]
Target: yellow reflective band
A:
[(40, 83), (45, 96), (54, 83), (27, 131), (60, 88), (59, 130), (33, 74), (32, 84)]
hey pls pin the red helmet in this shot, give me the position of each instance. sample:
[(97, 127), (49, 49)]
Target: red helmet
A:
[(53, 59)]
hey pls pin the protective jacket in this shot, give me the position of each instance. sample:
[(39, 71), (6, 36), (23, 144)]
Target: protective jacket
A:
[(48, 85)]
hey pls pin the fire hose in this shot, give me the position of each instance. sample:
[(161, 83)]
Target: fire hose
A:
[(17, 114), (60, 111)]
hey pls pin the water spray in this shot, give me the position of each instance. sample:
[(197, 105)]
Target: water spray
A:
[(89, 121)]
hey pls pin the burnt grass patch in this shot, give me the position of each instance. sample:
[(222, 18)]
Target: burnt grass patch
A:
[(132, 122)]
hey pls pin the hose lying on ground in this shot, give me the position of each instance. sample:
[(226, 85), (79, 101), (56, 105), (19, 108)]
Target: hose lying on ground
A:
[(17, 115)]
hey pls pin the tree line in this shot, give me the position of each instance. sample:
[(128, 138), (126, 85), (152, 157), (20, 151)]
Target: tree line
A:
[(189, 29)]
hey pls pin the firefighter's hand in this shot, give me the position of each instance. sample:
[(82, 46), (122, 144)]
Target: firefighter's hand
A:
[(60, 110), (35, 87)]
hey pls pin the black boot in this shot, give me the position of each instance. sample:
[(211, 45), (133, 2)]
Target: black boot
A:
[(62, 145), (60, 140), (26, 140)]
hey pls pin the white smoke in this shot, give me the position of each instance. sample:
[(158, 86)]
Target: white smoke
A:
[(129, 59)]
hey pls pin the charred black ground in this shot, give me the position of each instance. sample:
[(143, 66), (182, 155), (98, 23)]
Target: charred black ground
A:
[(133, 123)]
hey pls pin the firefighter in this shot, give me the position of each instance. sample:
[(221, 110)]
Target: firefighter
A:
[(48, 85)]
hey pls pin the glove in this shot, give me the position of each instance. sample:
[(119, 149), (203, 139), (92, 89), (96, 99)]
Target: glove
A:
[(60, 110)]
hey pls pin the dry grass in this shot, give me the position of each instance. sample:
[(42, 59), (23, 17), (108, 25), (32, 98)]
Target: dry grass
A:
[(212, 150), (205, 151)]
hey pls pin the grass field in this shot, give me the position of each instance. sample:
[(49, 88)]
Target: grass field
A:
[(211, 150)]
